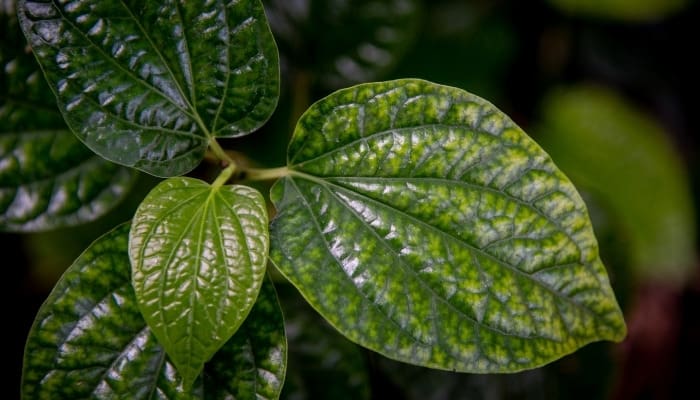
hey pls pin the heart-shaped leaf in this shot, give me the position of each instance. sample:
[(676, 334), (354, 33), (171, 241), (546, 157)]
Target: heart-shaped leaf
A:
[(341, 42), (48, 179), (90, 341), (198, 254), (624, 159), (148, 84), (422, 223)]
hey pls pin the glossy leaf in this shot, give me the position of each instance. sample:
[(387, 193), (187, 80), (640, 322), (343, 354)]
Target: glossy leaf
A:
[(147, 84), (624, 10), (625, 160), (422, 223), (89, 340), (198, 254), (343, 42), (48, 179)]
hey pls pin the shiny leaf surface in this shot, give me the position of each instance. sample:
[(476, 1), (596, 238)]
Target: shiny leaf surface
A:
[(48, 179), (624, 159), (343, 42), (147, 84), (198, 254), (422, 223), (90, 341)]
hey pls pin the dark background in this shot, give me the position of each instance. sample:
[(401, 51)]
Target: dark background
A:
[(512, 53)]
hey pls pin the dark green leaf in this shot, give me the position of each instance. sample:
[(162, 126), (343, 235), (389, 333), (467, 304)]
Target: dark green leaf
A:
[(148, 84), (422, 223), (625, 160), (342, 42), (198, 254), (90, 341), (48, 179)]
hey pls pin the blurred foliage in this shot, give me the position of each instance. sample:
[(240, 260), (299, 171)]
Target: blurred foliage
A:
[(624, 158), (623, 10)]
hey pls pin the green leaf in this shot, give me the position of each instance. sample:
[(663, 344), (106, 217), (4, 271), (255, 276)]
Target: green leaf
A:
[(198, 254), (623, 10), (89, 340), (422, 223), (148, 84), (322, 363), (343, 42), (48, 179), (625, 160)]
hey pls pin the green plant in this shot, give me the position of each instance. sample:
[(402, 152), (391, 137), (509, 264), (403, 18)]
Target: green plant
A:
[(416, 218)]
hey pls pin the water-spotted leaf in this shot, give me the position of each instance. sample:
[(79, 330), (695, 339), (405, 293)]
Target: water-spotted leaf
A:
[(48, 179), (624, 10), (198, 254), (341, 42), (148, 84), (624, 159), (422, 223), (90, 341)]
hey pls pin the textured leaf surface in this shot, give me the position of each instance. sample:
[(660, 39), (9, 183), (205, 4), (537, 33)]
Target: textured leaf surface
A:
[(625, 160), (198, 254), (48, 178), (624, 10), (343, 42), (90, 341), (425, 225), (146, 84)]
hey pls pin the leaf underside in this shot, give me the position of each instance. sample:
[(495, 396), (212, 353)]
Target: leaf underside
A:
[(89, 340), (147, 84), (48, 179), (198, 254), (422, 223)]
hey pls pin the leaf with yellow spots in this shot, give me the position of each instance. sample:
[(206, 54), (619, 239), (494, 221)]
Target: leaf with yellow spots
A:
[(449, 238), (198, 254)]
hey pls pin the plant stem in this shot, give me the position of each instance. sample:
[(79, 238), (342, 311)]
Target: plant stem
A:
[(255, 174), (220, 153), (224, 176)]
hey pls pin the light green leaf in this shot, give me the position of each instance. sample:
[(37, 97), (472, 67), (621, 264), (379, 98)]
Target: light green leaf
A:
[(341, 42), (147, 84), (623, 10), (48, 179), (624, 159), (422, 223), (198, 254), (90, 341)]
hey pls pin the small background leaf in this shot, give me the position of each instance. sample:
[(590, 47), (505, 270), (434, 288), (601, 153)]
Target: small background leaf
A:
[(48, 179), (423, 224), (89, 340), (339, 42), (147, 84), (624, 159), (198, 254)]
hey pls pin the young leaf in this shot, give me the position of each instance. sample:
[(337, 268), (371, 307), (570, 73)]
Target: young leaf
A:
[(48, 179), (313, 35), (422, 223), (148, 84), (198, 254), (89, 340), (624, 158)]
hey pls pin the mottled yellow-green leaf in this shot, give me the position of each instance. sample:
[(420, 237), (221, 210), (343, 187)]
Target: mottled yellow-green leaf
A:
[(422, 223)]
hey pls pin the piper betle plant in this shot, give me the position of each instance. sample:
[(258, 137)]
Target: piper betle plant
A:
[(416, 218)]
